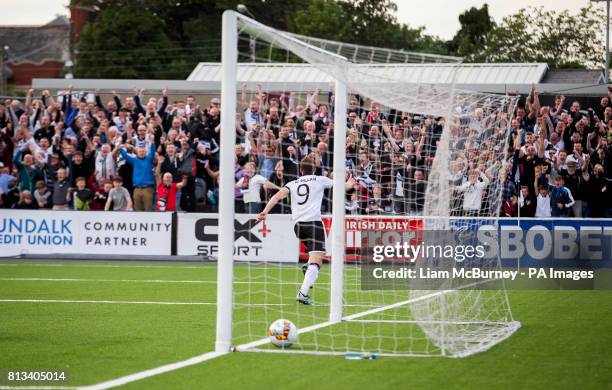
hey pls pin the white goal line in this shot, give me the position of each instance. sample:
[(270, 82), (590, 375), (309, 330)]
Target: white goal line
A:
[(434, 322), (257, 343), (339, 353)]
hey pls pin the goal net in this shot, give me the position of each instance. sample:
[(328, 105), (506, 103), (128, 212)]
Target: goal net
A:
[(405, 155)]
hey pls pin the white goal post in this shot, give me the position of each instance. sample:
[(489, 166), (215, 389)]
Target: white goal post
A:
[(416, 140), (229, 59)]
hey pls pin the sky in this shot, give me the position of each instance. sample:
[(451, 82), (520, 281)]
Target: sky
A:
[(444, 20), (440, 17)]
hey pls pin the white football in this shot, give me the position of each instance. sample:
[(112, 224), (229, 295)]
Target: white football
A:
[(283, 333)]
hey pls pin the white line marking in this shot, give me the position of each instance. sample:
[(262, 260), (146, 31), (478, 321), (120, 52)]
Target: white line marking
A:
[(154, 371), (207, 266), (145, 281), (195, 360), (265, 340), (394, 305), (337, 353), (432, 322), (211, 355), (204, 266), (109, 302), (37, 388), (412, 300), (131, 302), (106, 280), (28, 264), (307, 329), (169, 281)]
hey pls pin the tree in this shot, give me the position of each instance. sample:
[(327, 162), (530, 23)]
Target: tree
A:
[(166, 39), (182, 17), (327, 19), (123, 43), (373, 20), (558, 38), (192, 29), (476, 25), (363, 22)]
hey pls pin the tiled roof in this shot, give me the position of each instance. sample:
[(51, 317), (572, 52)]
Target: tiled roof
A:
[(38, 44)]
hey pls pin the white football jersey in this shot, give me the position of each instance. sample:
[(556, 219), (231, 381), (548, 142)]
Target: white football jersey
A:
[(307, 196)]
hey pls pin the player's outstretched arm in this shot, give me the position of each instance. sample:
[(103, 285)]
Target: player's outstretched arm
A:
[(282, 193), (349, 184)]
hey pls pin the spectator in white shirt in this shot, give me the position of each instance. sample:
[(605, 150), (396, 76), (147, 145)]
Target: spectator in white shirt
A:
[(543, 209), (253, 116), (105, 163), (250, 185), (473, 190)]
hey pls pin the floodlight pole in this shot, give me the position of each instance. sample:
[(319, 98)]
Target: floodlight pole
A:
[(338, 201), (225, 262)]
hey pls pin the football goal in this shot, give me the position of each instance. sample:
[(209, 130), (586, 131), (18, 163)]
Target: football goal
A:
[(380, 143)]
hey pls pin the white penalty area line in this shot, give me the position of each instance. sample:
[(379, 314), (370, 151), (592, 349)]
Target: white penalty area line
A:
[(130, 302)]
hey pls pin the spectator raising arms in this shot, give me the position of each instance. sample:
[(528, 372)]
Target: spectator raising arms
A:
[(473, 190), (250, 185), (166, 188), (64, 152), (142, 179)]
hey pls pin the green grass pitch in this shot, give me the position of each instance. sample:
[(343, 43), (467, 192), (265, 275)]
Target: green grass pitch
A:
[(565, 341)]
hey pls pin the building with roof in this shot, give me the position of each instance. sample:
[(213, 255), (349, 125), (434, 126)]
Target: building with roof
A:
[(36, 51), (205, 79), (489, 78), (41, 51)]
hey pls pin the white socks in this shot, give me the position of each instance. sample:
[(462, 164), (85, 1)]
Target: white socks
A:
[(310, 277)]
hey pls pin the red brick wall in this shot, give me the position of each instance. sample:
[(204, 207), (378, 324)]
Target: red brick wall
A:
[(24, 73)]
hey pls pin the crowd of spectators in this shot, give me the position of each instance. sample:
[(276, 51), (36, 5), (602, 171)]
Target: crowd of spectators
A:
[(65, 152), (561, 160)]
